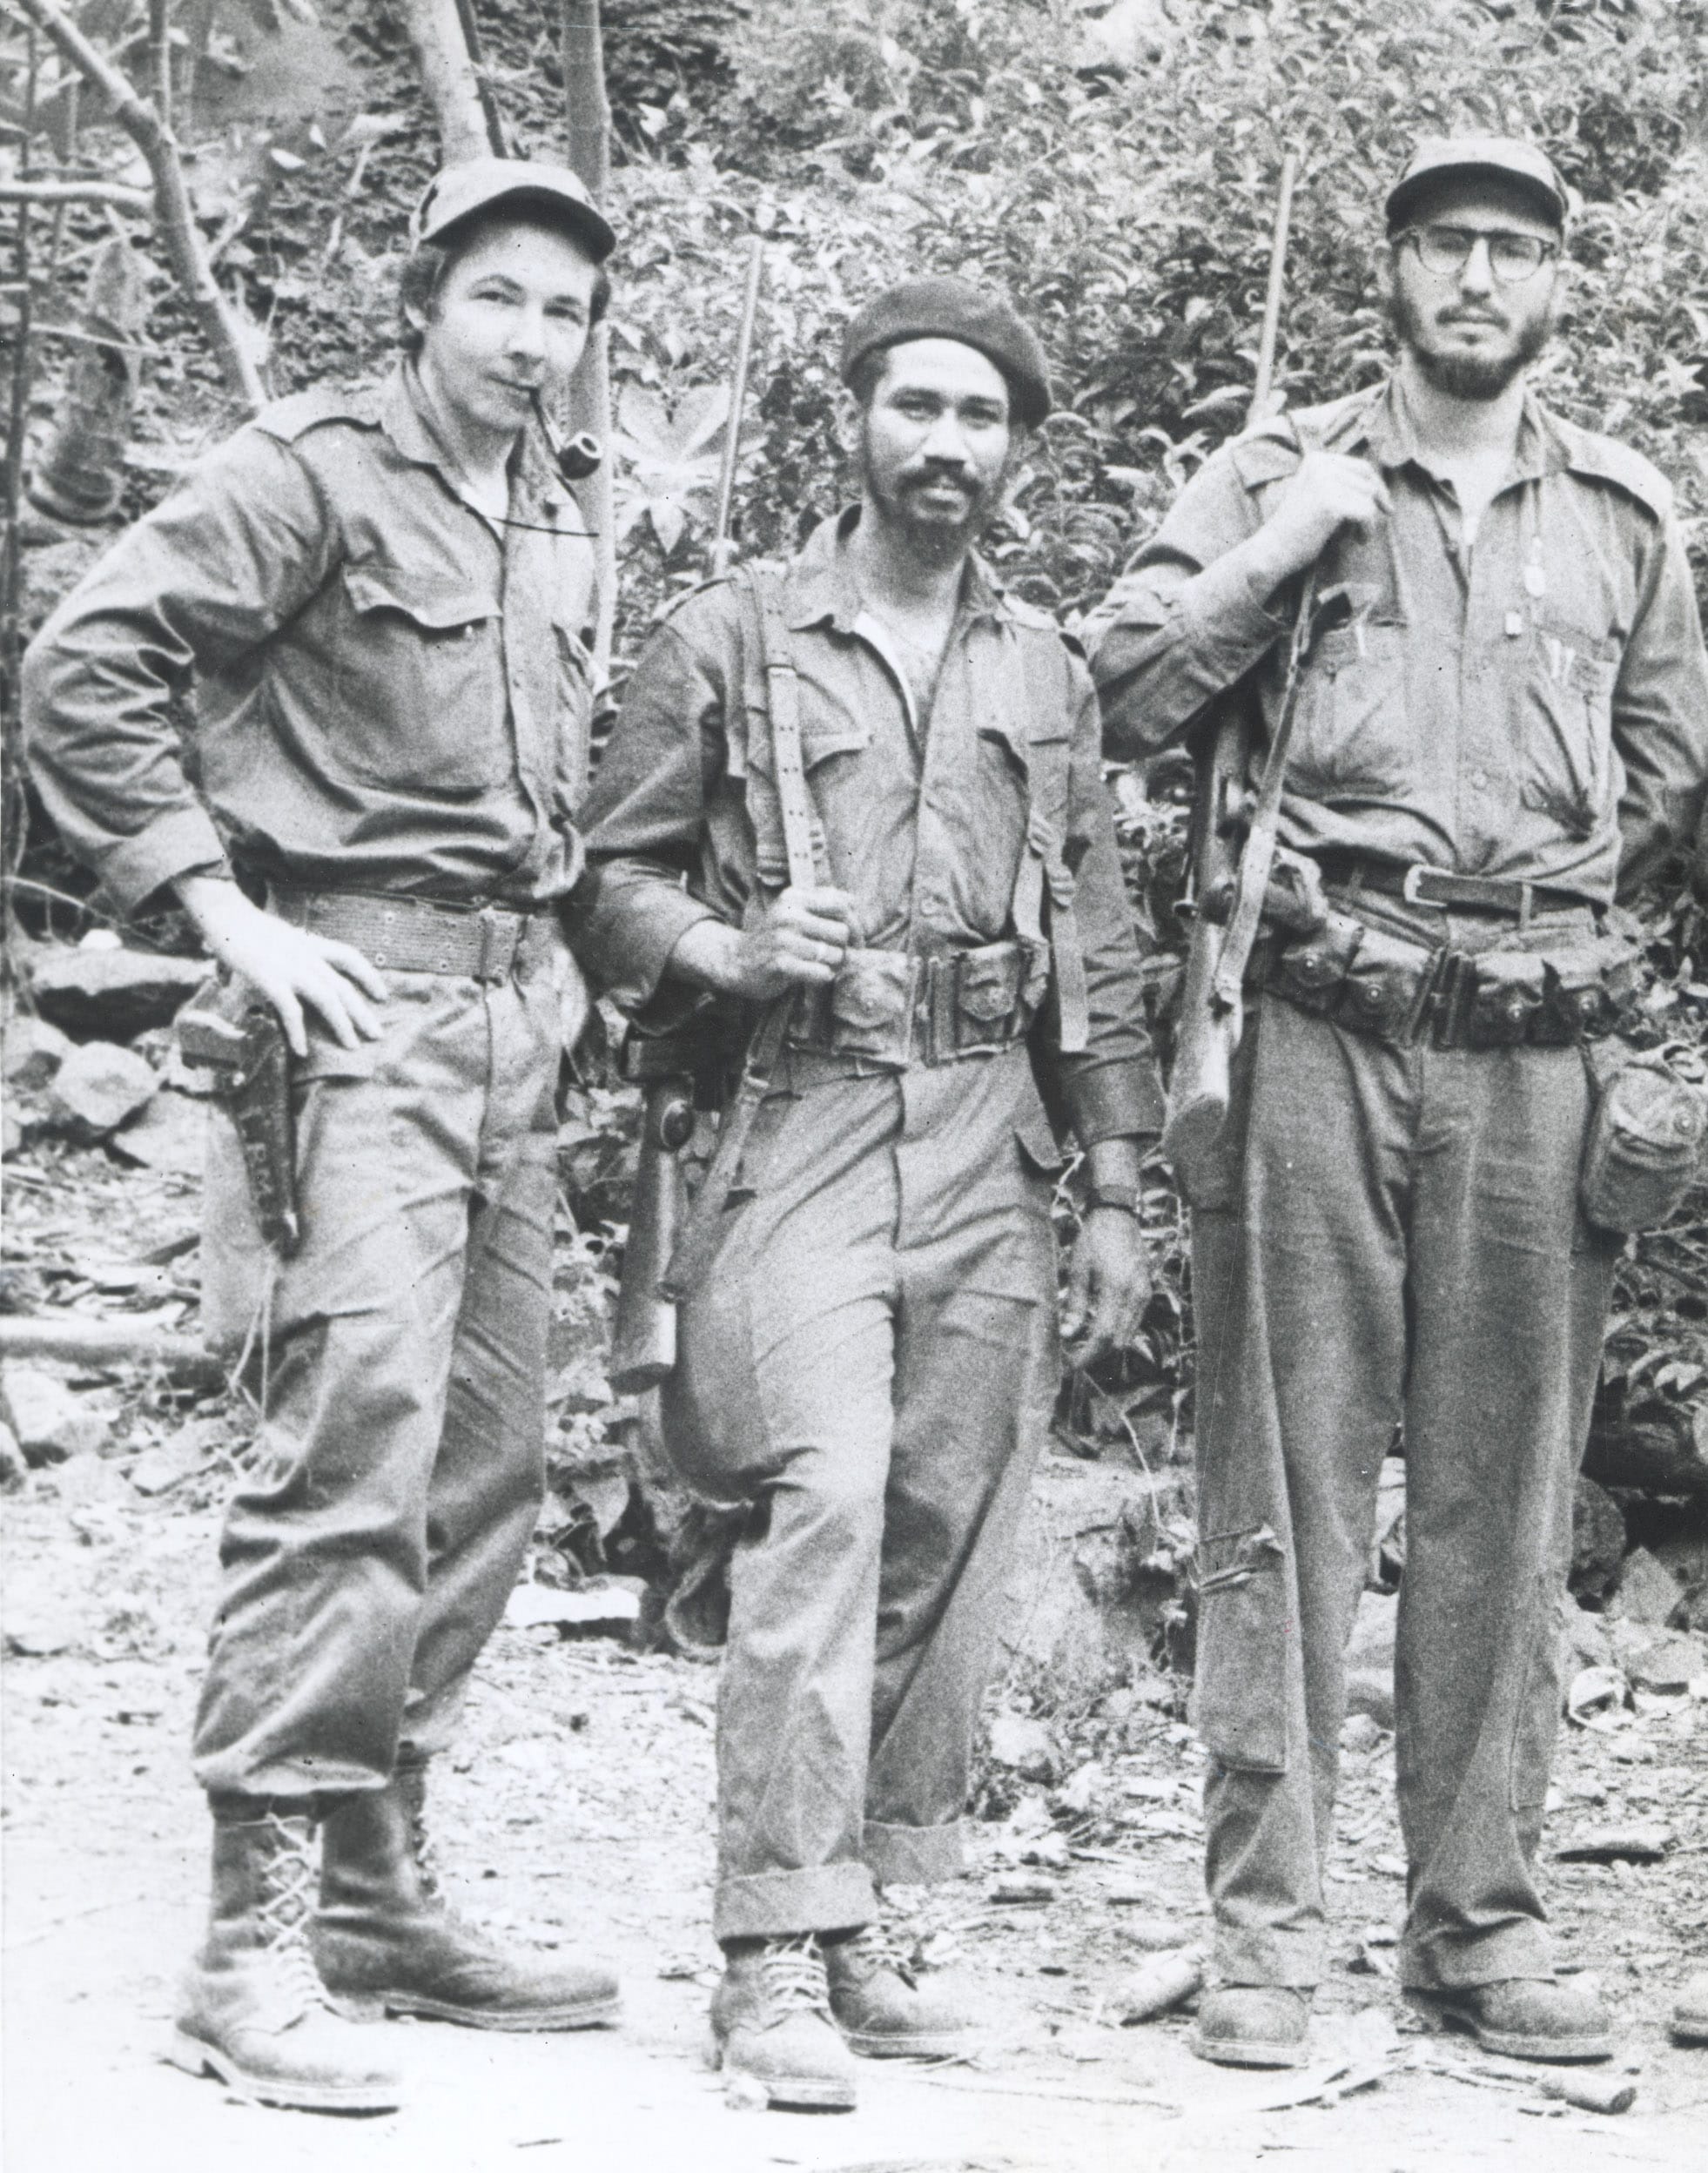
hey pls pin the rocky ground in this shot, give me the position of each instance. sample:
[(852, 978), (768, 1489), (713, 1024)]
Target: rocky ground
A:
[(580, 1806)]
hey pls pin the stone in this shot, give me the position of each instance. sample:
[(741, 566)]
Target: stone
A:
[(1079, 1792), (1647, 1591), (170, 1135), (50, 1421), (1663, 1662), (112, 994), (1589, 1638), (1360, 1732), (32, 1051), (1024, 1746), (89, 1479), (96, 1087), (1597, 1539), (1369, 1657), (13, 1468)]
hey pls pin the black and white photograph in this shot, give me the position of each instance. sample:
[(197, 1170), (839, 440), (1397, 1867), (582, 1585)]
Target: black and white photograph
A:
[(854, 996)]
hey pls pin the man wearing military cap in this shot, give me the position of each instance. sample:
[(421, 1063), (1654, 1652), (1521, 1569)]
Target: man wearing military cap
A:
[(379, 605), (1500, 727), (869, 1361)]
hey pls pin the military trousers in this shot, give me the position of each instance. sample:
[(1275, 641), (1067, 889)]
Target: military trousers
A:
[(398, 1364), (869, 1367), (1391, 1240)]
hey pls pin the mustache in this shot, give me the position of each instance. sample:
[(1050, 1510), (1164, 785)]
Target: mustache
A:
[(930, 472)]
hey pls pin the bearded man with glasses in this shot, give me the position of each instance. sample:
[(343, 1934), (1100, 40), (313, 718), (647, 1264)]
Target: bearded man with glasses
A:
[(1501, 726)]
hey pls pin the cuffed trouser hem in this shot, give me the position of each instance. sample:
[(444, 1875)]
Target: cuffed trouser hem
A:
[(914, 1855), (773, 1904), (1268, 1958), (1450, 1964)]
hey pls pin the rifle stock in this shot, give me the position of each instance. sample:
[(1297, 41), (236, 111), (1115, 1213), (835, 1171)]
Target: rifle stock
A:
[(1212, 1018), (1199, 1083), (643, 1340)]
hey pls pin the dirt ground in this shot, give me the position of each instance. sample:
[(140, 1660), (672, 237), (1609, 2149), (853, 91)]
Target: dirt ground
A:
[(580, 1806)]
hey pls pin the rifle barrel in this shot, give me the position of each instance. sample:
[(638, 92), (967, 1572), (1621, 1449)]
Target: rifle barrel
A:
[(732, 429), (1272, 299)]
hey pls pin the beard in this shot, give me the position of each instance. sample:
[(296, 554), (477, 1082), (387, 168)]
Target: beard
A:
[(935, 531), (1476, 377)]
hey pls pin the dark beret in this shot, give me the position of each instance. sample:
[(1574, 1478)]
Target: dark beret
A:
[(945, 308)]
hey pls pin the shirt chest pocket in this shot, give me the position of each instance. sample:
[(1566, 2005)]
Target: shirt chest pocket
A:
[(1351, 740), (425, 700), (1568, 725)]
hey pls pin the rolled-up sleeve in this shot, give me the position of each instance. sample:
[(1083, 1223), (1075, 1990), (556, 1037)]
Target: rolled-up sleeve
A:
[(1660, 719), (224, 562), (1189, 616), (643, 820), (1110, 1088)]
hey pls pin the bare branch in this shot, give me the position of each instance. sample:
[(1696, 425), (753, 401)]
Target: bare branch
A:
[(77, 192), (173, 215)]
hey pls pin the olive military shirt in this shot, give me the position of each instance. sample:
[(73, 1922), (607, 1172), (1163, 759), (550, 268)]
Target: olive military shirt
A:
[(1534, 705), (387, 690), (924, 818)]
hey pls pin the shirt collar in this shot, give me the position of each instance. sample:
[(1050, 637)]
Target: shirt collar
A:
[(535, 487), (825, 587), (1383, 427)]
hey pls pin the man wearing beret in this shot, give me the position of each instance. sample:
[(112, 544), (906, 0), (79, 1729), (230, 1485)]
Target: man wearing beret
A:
[(377, 604), (1501, 726), (870, 1362)]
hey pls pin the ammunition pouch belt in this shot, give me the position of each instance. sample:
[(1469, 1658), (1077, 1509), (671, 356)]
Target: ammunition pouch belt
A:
[(421, 935), (896, 1009), (1378, 982)]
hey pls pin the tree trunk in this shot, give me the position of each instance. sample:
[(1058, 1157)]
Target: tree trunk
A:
[(448, 77), (588, 117)]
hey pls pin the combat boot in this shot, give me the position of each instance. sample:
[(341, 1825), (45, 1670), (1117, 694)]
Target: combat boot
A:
[(252, 2010), (387, 1941), (878, 2005), (771, 2023)]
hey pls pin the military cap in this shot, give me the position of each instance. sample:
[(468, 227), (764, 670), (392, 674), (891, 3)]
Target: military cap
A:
[(1440, 158), (456, 192), (945, 308)]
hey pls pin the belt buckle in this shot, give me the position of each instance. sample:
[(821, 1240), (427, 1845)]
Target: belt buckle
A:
[(1411, 890)]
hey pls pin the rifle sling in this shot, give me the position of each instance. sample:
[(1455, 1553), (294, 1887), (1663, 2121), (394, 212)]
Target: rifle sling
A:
[(703, 1224), (1260, 849)]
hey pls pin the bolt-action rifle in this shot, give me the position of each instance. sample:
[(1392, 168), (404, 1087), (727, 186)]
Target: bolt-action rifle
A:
[(643, 1341), (1231, 880)]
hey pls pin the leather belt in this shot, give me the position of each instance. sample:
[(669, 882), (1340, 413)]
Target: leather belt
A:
[(418, 935), (1419, 885)]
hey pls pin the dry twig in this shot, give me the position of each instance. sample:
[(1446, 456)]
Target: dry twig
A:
[(174, 218)]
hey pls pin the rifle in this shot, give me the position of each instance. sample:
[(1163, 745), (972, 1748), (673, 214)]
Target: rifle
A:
[(1229, 883), (644, 1338)]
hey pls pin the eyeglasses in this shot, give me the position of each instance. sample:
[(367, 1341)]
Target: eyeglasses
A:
[(1512, 258)]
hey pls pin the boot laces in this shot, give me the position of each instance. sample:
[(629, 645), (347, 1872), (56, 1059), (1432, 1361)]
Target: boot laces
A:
[(791, 1976), (875, 1947), (286, 1909)]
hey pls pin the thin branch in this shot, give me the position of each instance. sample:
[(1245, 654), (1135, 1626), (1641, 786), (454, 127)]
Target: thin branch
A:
[(77, 192), (160, 58), (173, 215)]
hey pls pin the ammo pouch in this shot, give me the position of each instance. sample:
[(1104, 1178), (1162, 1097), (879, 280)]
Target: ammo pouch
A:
[(1645, 1143), (1376, 981), (897, 1008)]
